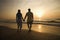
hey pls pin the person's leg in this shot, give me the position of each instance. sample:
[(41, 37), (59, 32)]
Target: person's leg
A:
[(17, 27), (20, 26), (28, 25)]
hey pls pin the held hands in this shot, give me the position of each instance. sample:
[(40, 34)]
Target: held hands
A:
[(23, 19)]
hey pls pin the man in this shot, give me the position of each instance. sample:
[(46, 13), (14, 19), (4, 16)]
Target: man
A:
[(29, 16), (19, 19)]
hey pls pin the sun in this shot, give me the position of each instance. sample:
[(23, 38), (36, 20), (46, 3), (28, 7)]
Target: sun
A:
[(39, 13)]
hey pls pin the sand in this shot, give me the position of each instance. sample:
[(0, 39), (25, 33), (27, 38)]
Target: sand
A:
[(12, 34)]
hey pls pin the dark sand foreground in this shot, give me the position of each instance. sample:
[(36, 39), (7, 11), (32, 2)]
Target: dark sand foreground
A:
[(12, 34)]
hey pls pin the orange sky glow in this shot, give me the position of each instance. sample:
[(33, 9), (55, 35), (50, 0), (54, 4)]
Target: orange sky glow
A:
[(42, 9)]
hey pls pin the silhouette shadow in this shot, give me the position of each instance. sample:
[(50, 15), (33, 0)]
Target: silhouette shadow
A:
[(12, 34)]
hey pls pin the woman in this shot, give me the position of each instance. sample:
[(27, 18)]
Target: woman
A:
[(19, 19)]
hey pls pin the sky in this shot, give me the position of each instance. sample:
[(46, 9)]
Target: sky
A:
[(42, 9)]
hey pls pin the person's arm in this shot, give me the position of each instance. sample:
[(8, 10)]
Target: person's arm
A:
[(22, 17), (25, 17)]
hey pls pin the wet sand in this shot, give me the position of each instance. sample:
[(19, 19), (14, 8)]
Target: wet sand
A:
[(12, 34)]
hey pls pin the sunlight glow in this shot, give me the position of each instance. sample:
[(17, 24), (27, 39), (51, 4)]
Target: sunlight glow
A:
[(39, 28), (39, 13)]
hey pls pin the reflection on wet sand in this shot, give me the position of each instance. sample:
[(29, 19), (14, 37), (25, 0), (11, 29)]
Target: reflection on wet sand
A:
[(36, 27), (47, 29)]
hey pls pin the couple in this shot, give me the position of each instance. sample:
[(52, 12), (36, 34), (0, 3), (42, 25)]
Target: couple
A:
[(19, 19)]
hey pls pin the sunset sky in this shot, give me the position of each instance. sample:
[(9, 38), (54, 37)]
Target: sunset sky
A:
[(42, 9)]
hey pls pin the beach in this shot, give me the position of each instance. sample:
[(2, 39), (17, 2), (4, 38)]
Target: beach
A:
[(8, 31)]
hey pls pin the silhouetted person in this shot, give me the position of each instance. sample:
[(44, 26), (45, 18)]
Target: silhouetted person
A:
[(19, 19), (29, 16)]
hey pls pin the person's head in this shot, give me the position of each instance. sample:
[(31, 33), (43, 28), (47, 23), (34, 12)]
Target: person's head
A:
[(29, 9), (19, 10)]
